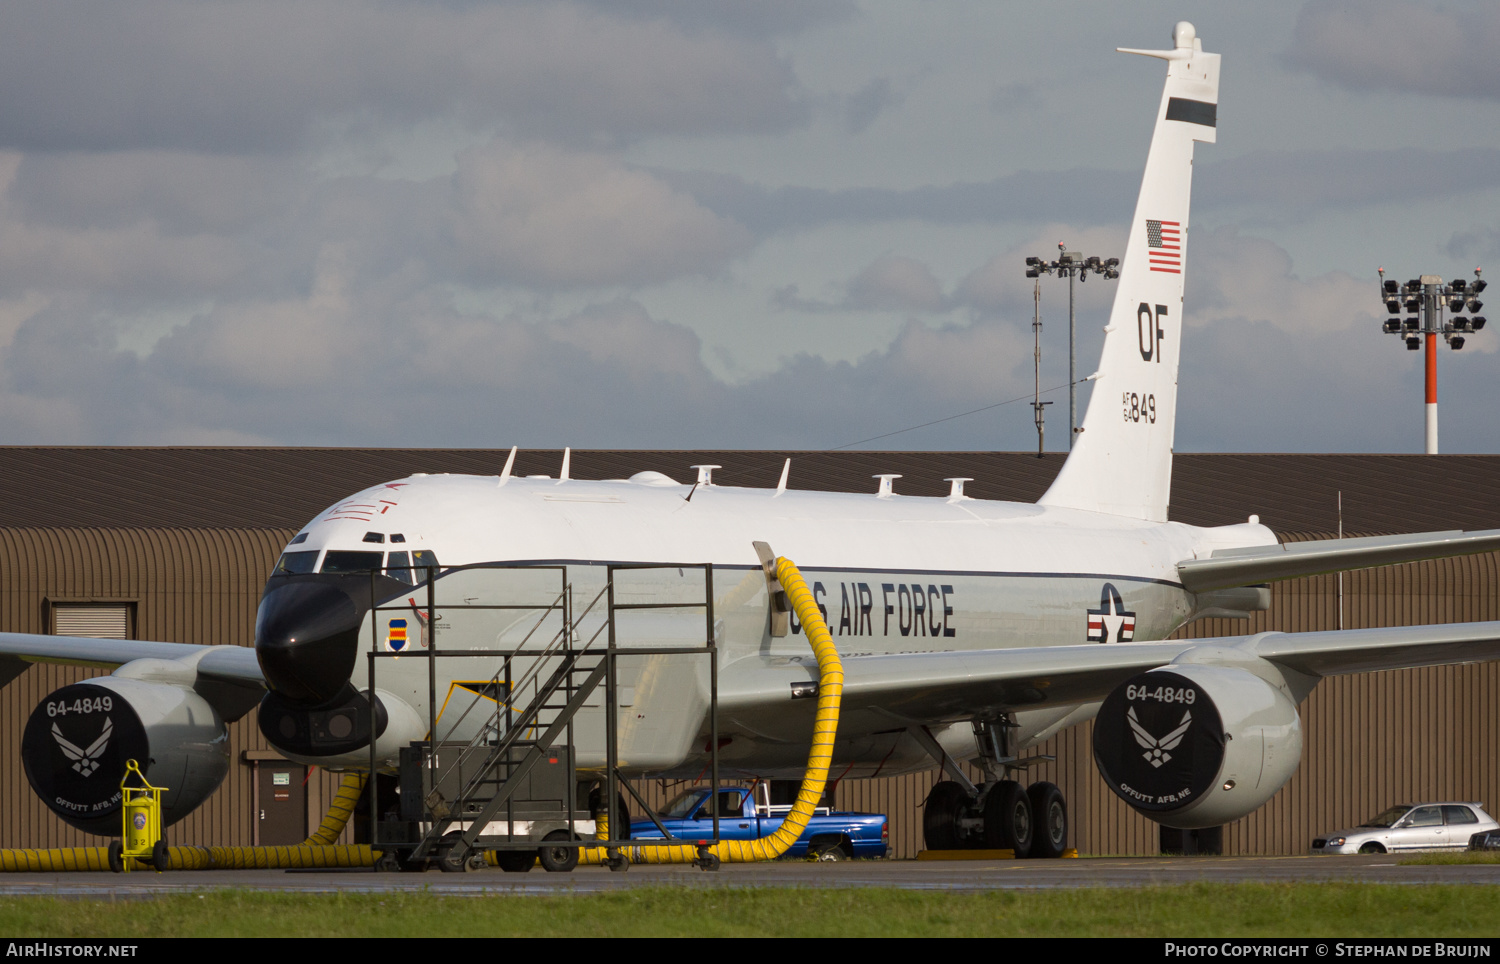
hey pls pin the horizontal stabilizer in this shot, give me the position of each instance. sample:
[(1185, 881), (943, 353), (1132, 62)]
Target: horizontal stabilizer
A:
[(1244, 567)]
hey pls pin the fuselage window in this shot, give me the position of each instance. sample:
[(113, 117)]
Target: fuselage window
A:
[(292, 563), (398, 567), (348, 560)]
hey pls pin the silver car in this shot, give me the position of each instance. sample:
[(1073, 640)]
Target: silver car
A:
[(1408, 826)]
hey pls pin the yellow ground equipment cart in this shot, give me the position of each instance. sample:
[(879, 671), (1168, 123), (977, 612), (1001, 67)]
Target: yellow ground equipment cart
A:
[(141, 808)]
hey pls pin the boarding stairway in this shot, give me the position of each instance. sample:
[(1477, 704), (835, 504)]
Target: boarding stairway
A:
[(513, 773), (475, 781)]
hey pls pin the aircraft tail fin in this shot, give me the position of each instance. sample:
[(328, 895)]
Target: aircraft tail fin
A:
[(1121, 461)]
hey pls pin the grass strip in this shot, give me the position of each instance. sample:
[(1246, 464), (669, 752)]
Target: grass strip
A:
[(1193, 910)]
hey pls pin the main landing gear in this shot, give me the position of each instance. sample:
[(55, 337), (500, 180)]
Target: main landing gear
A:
[(997, 815), (1032, 822)]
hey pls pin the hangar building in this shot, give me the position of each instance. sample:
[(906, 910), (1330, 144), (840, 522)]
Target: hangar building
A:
[(174, 544)]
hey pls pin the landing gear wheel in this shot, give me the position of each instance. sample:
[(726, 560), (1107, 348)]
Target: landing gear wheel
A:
[(557, 860), (159, 856), (1049, 815), (945, 804), (116, 856), (1371, 848), (1007, 818), (515, 861)]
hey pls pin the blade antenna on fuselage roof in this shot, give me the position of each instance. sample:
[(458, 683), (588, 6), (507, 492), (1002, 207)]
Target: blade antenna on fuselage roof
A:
[(1121, 462), (510, 463)]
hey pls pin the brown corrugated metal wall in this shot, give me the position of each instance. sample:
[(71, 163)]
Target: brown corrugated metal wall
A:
[(1370, 740), (1376, 739), (188, 586)]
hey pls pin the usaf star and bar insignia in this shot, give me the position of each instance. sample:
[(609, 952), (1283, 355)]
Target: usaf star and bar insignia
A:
[(1111, 623)]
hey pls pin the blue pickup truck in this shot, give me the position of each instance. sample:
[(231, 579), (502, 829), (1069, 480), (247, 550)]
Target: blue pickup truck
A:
[(746, 813)]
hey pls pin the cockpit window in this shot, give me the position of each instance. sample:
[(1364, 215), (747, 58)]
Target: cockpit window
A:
[(298, 539), (346, 560), (397, 564), (424, 557), (292, 563)]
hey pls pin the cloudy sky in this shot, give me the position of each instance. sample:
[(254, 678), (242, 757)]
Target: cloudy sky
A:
[(715, 223)]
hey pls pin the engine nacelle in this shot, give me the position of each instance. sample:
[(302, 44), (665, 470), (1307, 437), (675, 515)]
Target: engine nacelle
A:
[(78, 739), (1195, 745)]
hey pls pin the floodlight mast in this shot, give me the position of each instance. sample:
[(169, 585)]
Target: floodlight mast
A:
[(1037, 405), (1074, 265), (1428, 296)]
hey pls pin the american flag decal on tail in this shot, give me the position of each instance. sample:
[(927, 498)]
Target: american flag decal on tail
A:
[(1165, 241)]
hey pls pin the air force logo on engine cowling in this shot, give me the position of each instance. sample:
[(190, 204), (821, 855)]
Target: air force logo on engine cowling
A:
[(1110, 623), (1156, 749), (85, 761)]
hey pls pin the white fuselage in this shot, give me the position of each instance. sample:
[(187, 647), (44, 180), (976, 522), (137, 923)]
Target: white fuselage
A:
[(893, 574)]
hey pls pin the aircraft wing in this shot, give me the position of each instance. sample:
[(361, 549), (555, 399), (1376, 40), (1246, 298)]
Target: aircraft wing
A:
[(886, 692), (1341, 652), (229, 677), (1246, 567)]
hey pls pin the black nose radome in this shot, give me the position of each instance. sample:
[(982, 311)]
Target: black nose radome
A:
[(307, 639)]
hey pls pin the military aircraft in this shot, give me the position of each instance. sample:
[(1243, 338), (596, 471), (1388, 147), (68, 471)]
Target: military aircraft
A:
[(971, 630)]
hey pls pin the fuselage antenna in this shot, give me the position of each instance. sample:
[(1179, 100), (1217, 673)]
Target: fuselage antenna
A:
[(510, 463)]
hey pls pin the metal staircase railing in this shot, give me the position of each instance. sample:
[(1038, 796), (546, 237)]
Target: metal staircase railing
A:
[(504, 763), (474, 784)]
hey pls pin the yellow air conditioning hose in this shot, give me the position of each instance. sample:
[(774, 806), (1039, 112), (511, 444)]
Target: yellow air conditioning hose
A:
[(819, 754), (318, 850)]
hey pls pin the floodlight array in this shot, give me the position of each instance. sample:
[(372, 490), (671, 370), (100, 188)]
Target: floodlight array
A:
[(1420, 305), (1069, 264), (1424, 304)]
